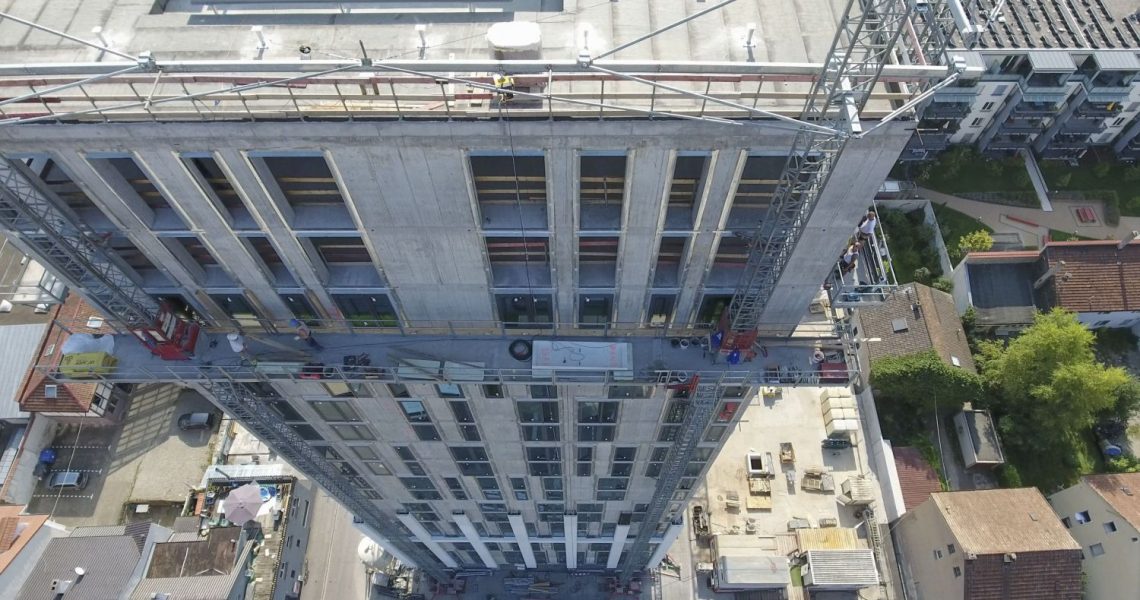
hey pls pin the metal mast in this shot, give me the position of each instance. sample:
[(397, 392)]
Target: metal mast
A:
[(57, 238), (862, 46), (248, 408)]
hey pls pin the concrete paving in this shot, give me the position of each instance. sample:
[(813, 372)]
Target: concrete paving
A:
[(1013, 219), (145, 459)]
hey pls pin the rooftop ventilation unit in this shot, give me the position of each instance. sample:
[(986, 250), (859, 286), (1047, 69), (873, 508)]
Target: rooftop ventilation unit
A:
[(515, 40)]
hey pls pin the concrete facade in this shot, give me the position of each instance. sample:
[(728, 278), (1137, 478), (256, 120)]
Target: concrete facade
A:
[(1110, 568)]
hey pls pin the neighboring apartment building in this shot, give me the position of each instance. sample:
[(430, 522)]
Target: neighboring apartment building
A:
[(1102, 512), (1097, 280), (23, 539), (1001, 544), (366, 203), (1059, 78)]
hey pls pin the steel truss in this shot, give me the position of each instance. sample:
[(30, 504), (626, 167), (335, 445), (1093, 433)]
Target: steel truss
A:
[(248, 407), (702, 406), (32, 214), (864, 43)]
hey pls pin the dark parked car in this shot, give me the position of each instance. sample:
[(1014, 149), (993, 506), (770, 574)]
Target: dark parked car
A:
[(199, 420)]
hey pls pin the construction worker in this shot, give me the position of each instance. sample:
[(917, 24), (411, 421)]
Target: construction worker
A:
[(867, 225), (850, 257), (305, 334), (505, 83)]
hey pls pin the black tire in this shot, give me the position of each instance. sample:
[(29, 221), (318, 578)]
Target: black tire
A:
[(520, 350)]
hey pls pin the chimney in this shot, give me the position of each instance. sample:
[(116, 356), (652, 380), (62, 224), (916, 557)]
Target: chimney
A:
[(1057, 268), (1128, 239)]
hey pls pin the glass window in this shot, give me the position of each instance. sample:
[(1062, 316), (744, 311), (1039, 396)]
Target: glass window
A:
[(353, 432), (461, 411), (415, 411), (307, 432), (365, 452), (538, 412), (404, 452), (470, 433), (630, 391), (449, 390), (399, 390), (544, 391), (596, 433), (612, 483), (521, 310), (659, 454), (714, 433), (541, 433), (335, 411), (492, 390), (427, 433), (621, 469), (377, 468), (597, 412), (625, 454), (284, 410), (594, 309), (468, 453)]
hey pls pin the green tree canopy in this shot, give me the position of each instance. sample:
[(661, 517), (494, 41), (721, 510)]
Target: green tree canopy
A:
[(1048, 389), (976, 241), (908, 388)]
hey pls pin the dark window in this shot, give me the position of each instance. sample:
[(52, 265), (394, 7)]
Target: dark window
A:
[(601, 192), (523, 310), (353, 432), (307, 432), (365, 452), (538, 412), (661, 308), (300, 306), (541, 433), (630, 391), (492, 390), (284, 410), (544, 391), (594, 310), (511, 191), (341, 250), (335, 411), (625, 454), (597, 412), (366, 310), (399, 390), (596, 433), (461, 411), (305, 180)]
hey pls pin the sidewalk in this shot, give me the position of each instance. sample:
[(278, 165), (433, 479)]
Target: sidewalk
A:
[(1021, 221)]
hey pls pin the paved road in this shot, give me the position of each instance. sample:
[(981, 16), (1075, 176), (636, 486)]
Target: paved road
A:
[(333, 570)]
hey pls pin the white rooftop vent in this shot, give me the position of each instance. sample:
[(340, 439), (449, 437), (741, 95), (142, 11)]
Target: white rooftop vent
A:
[(51, 390), (899, 325), (954, 361), (94, 322), (5, 306), (515, 40)]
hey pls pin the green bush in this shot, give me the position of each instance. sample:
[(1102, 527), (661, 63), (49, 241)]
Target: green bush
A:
[(923, 275), (1102, 169), (1009, 477), (975, 241), (1112, 210), (943, 284), (1063, 179), (1132, 174), (995, 168)]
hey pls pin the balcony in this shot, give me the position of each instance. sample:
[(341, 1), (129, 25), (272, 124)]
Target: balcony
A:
[(1009, 142), (1036, 109), (1066, 152), (1023, 125), (1101, 110), (1076, 125), (946, 110)]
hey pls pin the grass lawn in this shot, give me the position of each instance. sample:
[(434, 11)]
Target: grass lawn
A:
[(1085, 459), (1061, 236), (962, 169), (1122, 179), (955, 224)]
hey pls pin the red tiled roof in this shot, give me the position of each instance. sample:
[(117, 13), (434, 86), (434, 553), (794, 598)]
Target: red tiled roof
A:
[(1097, 277), (917, 478), (73, 314), (8, 532), (1121, 491), (13, 543), (1052, 574)]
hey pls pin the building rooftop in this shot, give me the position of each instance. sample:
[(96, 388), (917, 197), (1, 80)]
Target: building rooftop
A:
[(983, 436), (915, 319), (16, 530), (70, 396), (108, 559), (1121, 491), (203, 569), (1002, 292), (456, 42), (1057, 24), (1096, 276), (1003, 521), (917, 478)]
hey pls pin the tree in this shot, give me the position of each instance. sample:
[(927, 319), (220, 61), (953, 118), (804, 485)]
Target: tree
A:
[(909, 387), (975, 241), (1132, 174), (1063, 180), (943, 284), (1102, 169), (1048, 390)]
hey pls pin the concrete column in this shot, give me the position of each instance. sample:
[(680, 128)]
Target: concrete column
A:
[(644, 214), (415, 212), (121, 204), (562, 189), (522, 539), (723, 176), (855, 179), (174, 181), (468, 529), (667, 540), (310, 275), (425, 538), (620, 535), (570, 524), (384, 543)]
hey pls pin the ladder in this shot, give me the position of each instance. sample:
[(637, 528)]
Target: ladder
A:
[(245, 405), (34, 216), (702, 405), (865, 42)]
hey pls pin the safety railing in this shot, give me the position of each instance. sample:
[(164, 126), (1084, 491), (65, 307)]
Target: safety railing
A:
[(872, 281), (341, 95)]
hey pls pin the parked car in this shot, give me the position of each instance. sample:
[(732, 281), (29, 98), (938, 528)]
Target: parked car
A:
[(67, 481), (198, 420)]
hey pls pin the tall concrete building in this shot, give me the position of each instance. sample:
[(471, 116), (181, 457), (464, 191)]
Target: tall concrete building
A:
[(358, 167)]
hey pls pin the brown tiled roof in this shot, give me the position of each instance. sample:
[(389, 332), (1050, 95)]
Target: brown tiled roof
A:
[(1004, 520), (1096, 277), (917, 478), (12, 543), (932, 324), (1052, 574), (70, 397), (1121, 491)]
